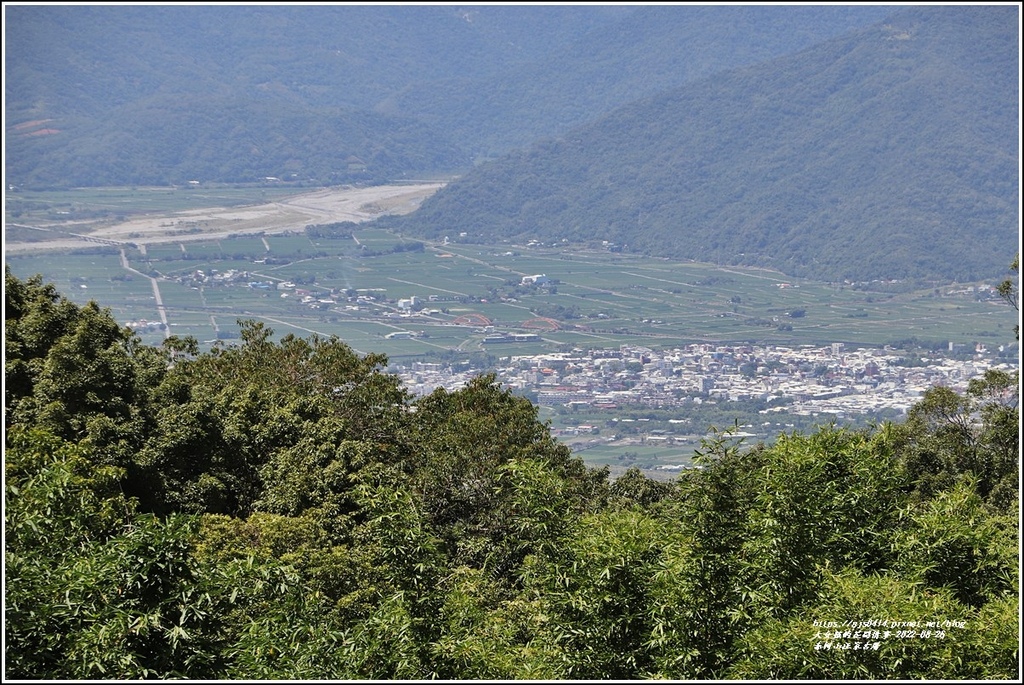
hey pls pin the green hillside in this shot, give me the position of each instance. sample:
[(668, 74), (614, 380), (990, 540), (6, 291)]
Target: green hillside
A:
[(888, 153), (106, 95), (176, 138), (653, 49), (91, 59)]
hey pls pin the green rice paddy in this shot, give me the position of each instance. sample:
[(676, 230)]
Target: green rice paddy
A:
[(594, 299)]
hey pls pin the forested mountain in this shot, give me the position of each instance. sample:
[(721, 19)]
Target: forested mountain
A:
[(119, 95), (287, 511), (653, 49), (177, 138), (88, 59), (122, 95), (890, 152)]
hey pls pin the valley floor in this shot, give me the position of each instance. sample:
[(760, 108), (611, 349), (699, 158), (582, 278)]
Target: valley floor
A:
[(324, 206)]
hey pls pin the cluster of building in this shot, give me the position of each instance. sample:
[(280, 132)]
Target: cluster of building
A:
[(145, 326), (316, 297), (804, 380)]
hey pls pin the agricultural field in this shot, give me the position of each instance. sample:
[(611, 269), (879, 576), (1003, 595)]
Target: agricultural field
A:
[(63, 205), (660, 441), (463, 293), (420, 301)]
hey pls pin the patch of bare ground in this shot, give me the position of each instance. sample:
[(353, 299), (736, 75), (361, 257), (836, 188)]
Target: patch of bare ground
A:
[(325, 206)]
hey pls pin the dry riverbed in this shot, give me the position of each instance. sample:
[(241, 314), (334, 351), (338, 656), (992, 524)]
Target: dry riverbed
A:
[(325, 206)]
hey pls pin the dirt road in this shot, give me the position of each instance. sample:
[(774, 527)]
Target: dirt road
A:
[(325, 206)]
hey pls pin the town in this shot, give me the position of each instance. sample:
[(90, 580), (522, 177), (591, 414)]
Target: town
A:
[(834, 379), (807, 380)]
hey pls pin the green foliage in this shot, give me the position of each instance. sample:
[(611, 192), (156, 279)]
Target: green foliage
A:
[(74, 371), (93, 589), (269, 413), (288, 637), (794, 649), (765, 532), (948, 435), (284, 511), (484, 636), (596, 592), (951, 542), (753, 166), (484, 465), (35, 317), (699, 587), (823, 500), (635, 489)]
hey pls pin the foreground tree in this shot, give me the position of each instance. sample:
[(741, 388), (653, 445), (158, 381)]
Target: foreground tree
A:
[(948, 436), (285, 511), (1010, 291)]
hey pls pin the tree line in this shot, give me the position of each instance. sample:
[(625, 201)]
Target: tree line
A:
[(287, 510)]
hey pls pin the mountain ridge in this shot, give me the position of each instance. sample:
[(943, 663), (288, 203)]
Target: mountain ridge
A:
[(875, 155), (477, 79)]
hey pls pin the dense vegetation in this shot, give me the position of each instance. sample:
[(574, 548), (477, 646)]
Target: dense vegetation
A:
[(649, 50), (287, 511), (199, 138), (888, 153)]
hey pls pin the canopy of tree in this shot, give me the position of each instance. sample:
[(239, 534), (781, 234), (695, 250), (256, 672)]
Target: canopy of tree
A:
[(285, 510)]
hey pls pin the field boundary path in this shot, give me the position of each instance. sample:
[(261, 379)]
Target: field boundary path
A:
[(161, 310)]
